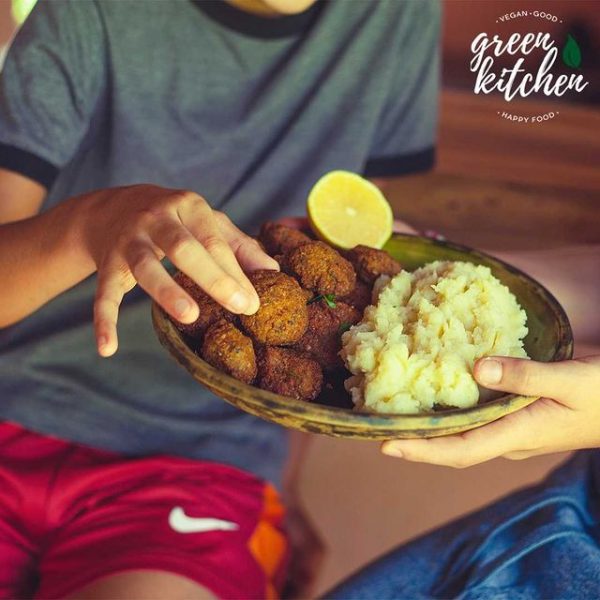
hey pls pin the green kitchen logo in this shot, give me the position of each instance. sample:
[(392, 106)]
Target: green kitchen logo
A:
[(518, 79)]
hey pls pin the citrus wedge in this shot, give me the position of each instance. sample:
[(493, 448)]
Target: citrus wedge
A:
[(345, 210)]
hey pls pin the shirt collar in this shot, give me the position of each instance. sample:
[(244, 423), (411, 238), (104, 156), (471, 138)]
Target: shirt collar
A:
[(254, 25)]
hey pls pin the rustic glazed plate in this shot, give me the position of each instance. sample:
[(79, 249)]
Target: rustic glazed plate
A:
[(549, 339)]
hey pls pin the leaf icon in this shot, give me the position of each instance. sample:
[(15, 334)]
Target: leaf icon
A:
[(571, 53)]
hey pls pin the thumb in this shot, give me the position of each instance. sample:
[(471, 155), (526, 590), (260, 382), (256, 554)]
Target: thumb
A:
[(556, 380)]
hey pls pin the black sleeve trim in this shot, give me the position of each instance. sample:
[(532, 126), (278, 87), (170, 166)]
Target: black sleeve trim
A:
[(401, 164), (28, 164)]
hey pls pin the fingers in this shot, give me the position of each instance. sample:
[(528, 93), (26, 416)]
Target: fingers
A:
[(529, 378), (202, 223), (248, 252), (113, 283), (109, 295), (202, 253), (518, 435), (459, 451), (156, 281), (119, 276)]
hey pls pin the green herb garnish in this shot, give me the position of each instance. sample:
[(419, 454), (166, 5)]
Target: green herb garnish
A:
[(328, 298)]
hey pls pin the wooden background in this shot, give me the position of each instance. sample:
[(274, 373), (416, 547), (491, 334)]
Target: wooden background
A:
[(500, 184)]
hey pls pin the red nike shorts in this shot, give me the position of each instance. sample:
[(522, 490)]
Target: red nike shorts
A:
[(70, 515)]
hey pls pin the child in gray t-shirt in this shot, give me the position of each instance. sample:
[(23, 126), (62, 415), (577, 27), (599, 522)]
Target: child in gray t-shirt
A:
[(131, 131)]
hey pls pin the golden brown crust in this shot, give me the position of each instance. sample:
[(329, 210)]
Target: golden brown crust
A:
[(210, 311), (370, 263), (226, 348), (290, 373), (308, 295), (321, 269), (279, 239), (282, 317), (322, 339)]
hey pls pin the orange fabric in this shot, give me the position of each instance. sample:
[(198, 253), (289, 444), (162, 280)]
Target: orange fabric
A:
[(268, 544)]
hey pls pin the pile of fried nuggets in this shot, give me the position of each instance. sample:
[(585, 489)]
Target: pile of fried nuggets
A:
[(291, 344)]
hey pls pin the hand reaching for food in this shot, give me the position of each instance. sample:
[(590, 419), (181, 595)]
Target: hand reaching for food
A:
[(566, 417), (128, 230)]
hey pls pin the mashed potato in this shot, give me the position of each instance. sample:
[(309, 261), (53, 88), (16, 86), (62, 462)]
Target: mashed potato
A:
[(416, 347)]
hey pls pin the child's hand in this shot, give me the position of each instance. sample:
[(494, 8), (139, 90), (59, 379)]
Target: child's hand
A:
[(127, 231), (570, 421)]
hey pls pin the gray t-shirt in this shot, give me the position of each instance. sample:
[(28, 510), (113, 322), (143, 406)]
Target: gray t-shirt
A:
[(247, 111)]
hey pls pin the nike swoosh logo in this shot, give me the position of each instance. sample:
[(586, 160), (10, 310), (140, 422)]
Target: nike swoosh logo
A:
[(181, 523)]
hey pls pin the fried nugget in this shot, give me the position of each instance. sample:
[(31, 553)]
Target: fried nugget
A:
[(279, 239), (359, 297), (308, 295), (283, 266), (282, 317), (226, 348), (210, 311), (322, 339), (370, 263), (321, 269), (289, 373)]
